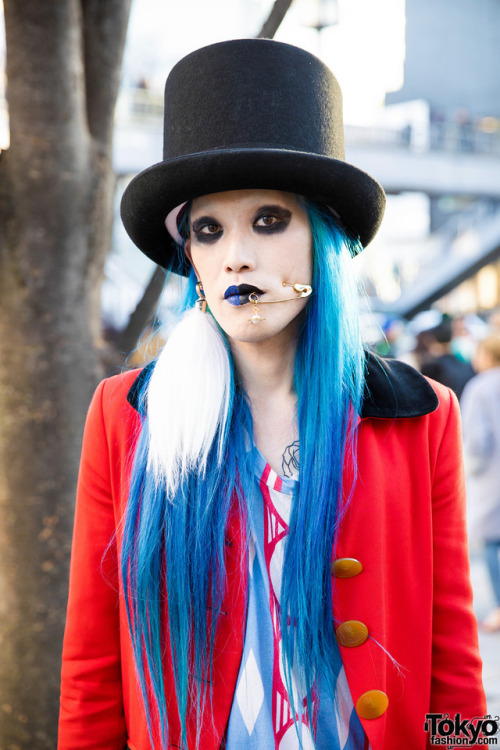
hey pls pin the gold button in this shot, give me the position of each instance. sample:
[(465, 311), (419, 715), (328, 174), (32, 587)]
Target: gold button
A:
[(346, 567), (351, 633), (372, 704)]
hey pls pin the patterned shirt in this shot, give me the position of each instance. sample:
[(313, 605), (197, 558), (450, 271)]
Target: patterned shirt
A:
[(261, 716)]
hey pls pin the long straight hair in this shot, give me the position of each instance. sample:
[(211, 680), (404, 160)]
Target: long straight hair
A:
[(181, 496)]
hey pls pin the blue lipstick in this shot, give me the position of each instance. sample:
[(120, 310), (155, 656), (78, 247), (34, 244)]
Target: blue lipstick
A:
[(238, 295), (232, 295)]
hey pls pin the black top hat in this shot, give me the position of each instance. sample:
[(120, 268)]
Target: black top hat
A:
[(250, 113)]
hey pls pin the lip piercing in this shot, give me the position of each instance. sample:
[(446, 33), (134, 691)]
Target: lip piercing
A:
[(256, 318), (303, 290)]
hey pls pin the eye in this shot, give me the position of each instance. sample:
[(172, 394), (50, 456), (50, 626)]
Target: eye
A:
[(209, 229), (205, 229), (267, 221), (271, 219)]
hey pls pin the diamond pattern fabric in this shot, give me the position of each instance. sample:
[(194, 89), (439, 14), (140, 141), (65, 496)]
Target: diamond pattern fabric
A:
[(261, 716), (250, 692)]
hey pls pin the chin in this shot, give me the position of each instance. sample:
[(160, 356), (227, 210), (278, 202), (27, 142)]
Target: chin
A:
[(272, 325), (249, 333), (252, 337)]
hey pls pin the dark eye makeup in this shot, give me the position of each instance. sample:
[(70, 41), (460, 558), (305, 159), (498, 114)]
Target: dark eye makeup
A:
[(206, 229), (267, 220), (272, 219)]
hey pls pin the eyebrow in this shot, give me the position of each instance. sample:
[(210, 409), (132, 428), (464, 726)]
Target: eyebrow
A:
[(274, 207)]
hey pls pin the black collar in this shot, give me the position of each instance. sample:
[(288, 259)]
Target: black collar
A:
[(393, 390)]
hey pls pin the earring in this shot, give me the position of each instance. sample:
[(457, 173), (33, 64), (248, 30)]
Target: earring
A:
[(201, 302), (256, 318)]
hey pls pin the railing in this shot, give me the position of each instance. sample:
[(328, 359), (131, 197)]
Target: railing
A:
[(482, 138), (144, 106)]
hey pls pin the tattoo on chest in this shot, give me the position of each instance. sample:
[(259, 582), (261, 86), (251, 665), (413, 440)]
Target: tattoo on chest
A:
[(290, 460)]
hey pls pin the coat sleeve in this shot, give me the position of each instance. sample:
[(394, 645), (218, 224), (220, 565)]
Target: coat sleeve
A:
[(91, 713), (456, 665)]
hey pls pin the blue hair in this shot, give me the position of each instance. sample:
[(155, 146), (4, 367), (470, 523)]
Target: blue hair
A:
[(329, 380), (173, 547)]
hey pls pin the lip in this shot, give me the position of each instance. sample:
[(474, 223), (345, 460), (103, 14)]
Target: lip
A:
[(238, 295)]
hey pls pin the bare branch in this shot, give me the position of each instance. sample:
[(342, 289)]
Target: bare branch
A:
[(143, 313), (273, 22)]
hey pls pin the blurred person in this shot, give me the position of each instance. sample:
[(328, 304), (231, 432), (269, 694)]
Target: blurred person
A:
[(437, 128), (463, 343), (392, 330), (465, 129), (440, 363), (493, 320), (420, 352), (480, 406), (269, 549)]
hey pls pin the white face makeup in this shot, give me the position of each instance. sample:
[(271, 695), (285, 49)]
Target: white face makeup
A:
[(248, 242)]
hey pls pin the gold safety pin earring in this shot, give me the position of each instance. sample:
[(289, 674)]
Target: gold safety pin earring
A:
[(303, 290)]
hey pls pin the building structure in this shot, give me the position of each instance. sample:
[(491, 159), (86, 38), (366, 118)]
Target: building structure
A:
[(451, 68), (452, 57)]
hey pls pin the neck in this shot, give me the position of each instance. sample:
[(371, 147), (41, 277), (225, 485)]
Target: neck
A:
[(266, 371), (266, 368)]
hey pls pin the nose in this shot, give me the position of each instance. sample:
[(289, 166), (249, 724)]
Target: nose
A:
[(239, 253)]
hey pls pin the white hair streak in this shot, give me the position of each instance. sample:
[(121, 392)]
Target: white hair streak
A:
[(187, 399)]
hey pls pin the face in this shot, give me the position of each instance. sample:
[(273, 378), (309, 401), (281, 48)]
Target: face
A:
[(483, 359), (249, 240)]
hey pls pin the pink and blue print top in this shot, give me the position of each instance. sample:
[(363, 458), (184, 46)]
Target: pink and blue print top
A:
[(261, 716)]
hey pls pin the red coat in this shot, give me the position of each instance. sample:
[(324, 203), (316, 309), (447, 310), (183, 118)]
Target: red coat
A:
[(405, 524)]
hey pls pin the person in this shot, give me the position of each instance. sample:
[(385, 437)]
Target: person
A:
[(441, 364), (269, 546), (480, 407)]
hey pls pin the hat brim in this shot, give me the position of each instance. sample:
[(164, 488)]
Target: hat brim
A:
[(151, 195)]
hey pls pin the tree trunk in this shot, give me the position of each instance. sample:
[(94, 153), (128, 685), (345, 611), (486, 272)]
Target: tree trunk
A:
[(56, 184)]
